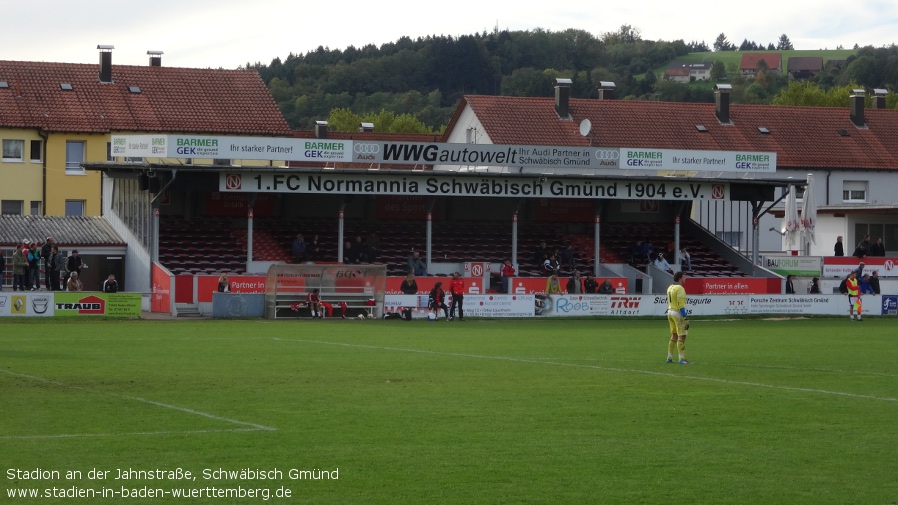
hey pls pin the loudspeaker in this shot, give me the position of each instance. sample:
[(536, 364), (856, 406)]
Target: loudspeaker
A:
[(155, 184), (143, 182)]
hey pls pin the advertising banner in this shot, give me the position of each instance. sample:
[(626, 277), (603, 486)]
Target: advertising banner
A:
[(22, 304), (537, 285), (571, 305), (726, 285), (713, 161), (841, 265), (801, 266), (208, 284), (161, 299), (68, 304)]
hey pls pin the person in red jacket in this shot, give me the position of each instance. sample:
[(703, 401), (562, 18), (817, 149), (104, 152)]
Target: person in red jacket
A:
[(457, 290), (507, 273)]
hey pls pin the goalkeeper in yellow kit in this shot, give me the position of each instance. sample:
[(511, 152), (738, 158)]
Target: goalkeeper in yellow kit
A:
[(676, 317)]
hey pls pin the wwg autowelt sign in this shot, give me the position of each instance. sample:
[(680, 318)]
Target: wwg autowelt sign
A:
[(708, 161), (448, 184), (424, 153)]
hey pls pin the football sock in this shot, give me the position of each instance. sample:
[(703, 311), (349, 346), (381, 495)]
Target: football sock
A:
[(671, 347), (681, 345)]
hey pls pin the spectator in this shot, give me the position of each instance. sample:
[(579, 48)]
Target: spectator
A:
[(313, 249), (46, 250), (110, 285), (416, 265), (224, 285), (437, 300), (56, 265), (74, 283), (877, 249), (814, 286), (551, 265), (685, 260), (507, 273), (859, 271), (566, 257), (874, 282), (866, 288), (590, 286), (606, 288), (839, 249), (863, 247), (34, 266), (790, 286), (299, 248), (662, 263), (541, 254), (350, 254), (553, 285), (73, 264), (358, 249), (19, 267), (409, 286), (372, 247), (574, 286)]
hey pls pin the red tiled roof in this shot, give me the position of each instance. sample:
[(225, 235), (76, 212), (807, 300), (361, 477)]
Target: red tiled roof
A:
[(802, 137), (750, 60), (171, 100), (805, 63)]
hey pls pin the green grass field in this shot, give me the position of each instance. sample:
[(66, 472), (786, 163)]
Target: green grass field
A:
[(534, 412)]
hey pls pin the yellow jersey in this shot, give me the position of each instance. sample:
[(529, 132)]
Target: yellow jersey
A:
[(676, 297)]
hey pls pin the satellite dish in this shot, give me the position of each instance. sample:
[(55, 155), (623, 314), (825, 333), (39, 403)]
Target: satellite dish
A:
[(585, 127)]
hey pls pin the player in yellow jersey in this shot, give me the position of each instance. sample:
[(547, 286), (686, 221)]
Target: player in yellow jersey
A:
[(676, 318)]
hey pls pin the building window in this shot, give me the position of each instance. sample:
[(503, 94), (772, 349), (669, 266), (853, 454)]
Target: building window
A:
[(221, 163), (13, 150), (37, 151), (35, 208), (74, 207), (74, 157), (854, 191), (12, 207)]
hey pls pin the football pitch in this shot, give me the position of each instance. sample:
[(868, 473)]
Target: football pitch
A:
[(798, 411)]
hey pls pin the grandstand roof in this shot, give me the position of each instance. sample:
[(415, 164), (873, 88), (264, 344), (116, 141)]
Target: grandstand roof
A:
[(802, 137), (139, 98)]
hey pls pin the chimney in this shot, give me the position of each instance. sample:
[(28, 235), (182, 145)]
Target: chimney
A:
[(856, 108), (366, 127), (155, 58), (722, 100), (879, 98), (606, 90), (321, 129), (105, 62), (562, 97)]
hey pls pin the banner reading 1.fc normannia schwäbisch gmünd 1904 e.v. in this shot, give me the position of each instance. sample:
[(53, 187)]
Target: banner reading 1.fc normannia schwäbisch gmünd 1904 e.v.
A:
[(559, 158)]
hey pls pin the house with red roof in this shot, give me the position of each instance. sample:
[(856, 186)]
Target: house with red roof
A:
[(750, 63), (804, 67), (56, 116), (850, 150)]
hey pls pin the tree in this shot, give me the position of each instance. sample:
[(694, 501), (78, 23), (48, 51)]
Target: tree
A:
[(722, 44), (718, 70), (784, 43)]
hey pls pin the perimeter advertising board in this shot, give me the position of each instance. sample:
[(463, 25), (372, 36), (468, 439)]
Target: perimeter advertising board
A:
[(709, 161), (801, 266), (22, 304), (840, 266), (79, 304)]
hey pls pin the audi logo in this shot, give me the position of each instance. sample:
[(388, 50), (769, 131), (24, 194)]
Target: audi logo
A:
[(366, 148), (607, 154)]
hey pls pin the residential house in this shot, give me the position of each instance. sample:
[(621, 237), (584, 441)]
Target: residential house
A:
[(748, 67), (804, 67), (698, 71), (847, 149), (678, 74), (56, 116)]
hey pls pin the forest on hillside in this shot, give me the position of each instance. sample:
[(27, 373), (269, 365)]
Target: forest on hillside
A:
[(425, 78)]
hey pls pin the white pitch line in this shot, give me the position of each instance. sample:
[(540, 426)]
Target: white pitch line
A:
[(610, 369), (142, 400), (125, 434)]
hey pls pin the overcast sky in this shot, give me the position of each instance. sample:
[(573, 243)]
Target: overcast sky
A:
[(231, 33)]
